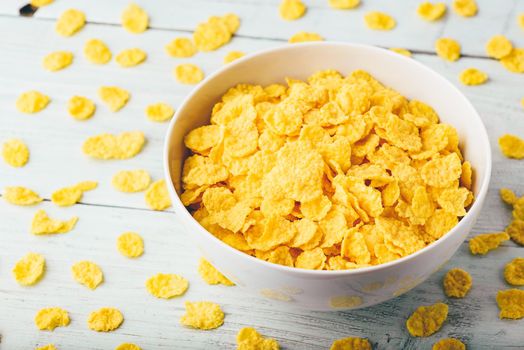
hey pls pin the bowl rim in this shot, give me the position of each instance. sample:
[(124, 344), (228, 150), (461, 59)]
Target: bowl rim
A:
[(179, 207)]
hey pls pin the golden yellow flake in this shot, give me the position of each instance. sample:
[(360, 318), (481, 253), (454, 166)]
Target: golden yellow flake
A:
[(449, 344), (30, 269), (473, 76), (291, 10), (15, 153), (48, 319), (202, 315), (511, 146), (87, 273), (483, 243), (520, 20), (128, 346), (32, 102), (181, 47), (131, 57), (447, 49), (379, 21), (114, 97), (431, 11), (516, 231), (249, 339), (427, 320), (401, 51), (57, 60), (40, 3), (130, 244), (68, 196), (159, 112), (508, 196), (47, 347), (131, 180), (80, 108), (211, 275), (465, 8), (301, 37), (457, 283), (187, 73), (42, 224), (70, 22), (19, 195), (343, 4), (514, 272), (351, 343), (166, 286), (134, 19), (215, 32), (498, 46), (514, 62), (157, 196), (233, 55), (97, 52), (511, 303), (108, 146), (105, 319)]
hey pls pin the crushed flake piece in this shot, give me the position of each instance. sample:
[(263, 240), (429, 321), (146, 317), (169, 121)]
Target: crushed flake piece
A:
[(249, 339), (166, 286), (473, 76), (511, 146), (57, 60), (511, 303), (87, 273), (30, 269), (131, 57), (19, 195), (211, 275), (157, 196), (97, 52), (483, 243), (32, 102), (42, 224), (107, 146), (159, 112), (448, 49), (202, 315), (379, 21), (188, 73), (427, 320), (49, 318), (15, 153), (514, 272), (181, 48), (457, 283), (130, 244), (80, 108), (134, 19), (130, 181), (70, 22), (106, 319)]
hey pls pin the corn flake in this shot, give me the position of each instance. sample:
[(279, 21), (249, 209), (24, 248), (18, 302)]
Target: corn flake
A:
[(511, 146), (40, 3), (465, 8), (57, 60), (483, 243), (47, 347), (157, 196), (301, 37), (457, 283), (166, 286), (49, 318), (15, 153), (70, 22), (134, 19), (511, 303), (379, 21), (80, 108), (427, 320), (211, 275), (216, 32), (233, 55), (130, 244), (514, 272), (313, 259), (32, 102), (107, 146), (498, 46), (42, 224), (401, 51), (114, 97), (514, 62), (202, 315), (516, 231), (249, 339), (431, 11), (351, 343), (181, 48), (188, 73), (343, 4), (473, 76), (106, 319), (130, 181), (448, 49), (508, 196), (28, 270), (131, 57), (21, 196), (87, 273), (128, 346), (441, 172), (68, 196), (97, 52), (449, 344), (159, 112), (291, 10)]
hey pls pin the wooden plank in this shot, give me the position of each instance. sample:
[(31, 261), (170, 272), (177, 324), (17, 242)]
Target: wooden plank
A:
[(260, 19), (153, 323)]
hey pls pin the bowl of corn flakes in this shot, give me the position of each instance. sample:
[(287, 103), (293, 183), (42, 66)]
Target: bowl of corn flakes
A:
[(327, 176)]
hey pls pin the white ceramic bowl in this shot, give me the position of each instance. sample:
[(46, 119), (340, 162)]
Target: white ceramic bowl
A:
[(329, 290)]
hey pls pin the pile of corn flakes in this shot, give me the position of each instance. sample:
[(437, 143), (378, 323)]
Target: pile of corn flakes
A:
[(333, 173)]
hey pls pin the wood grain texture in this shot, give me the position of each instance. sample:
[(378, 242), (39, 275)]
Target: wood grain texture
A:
[(55, 141)]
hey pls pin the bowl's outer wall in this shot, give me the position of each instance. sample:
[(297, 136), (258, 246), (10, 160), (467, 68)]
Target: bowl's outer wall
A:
[(327, 291)]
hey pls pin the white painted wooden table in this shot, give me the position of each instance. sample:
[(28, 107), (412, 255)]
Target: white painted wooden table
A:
[(56, 160)]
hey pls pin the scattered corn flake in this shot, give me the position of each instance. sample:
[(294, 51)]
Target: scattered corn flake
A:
[(105, 319), (47, 347), (57, 60), (351, 343), (249, 339), (181, 48), (216, 32), (130, 244), (159, 112), (202, 315), (128, 346), (68, 196), (28, 270), (508, 196), (483, 243), (40, 3), (511, 303), (498, 46), (427, 320), (131, 57), (32, 102), (291, 10), (447, 49), (457, 283), (231, 21), (514, 272), (134, 19), (379, 21), (157, 196), (48, 319), (473, 76), (42, 224), (233, 55), (514, 62), (130, 181), (87, 273), (465, 8), (511, 146), (114, 97), (211, 275), (401, 51), (80, 108), (301, 37), (515, 231), (70, 22), (166, 286), (15, 153), (187, 73), (431, 11), (107, 146), (19, 195), (97, 52), (518, 209), (449, 344), (343, 4)]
